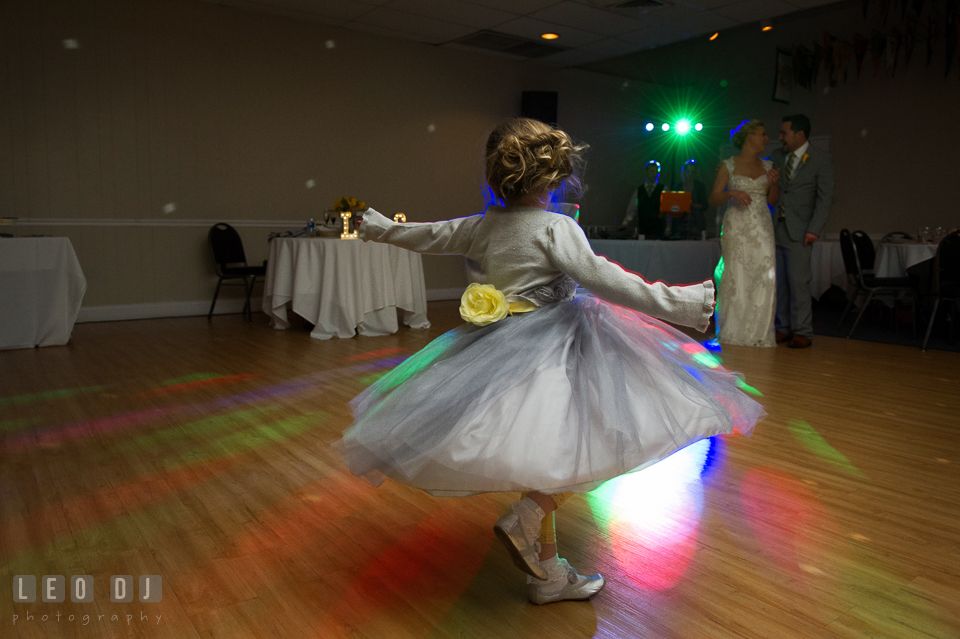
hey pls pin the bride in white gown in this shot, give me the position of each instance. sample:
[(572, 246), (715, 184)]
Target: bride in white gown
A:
[(746, 295)]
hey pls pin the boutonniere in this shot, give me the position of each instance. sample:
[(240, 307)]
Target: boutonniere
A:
[(803, 160)]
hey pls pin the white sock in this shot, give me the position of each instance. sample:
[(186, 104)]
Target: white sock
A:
[(531, 514), (555, 571)]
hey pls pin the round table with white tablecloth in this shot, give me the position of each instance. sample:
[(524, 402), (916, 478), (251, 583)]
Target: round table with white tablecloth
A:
[(894, 258), (826, 268), (344, 287), (41, 289)]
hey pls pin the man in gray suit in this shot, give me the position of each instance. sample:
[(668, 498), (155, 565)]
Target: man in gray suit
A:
[(806, 193)]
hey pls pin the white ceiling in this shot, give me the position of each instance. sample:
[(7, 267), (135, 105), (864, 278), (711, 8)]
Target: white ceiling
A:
[(590, 30)]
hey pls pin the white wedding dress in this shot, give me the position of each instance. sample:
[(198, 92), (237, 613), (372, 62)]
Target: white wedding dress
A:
[(746, 297)]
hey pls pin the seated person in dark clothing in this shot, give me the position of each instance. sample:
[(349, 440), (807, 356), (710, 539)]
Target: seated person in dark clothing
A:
[(691, 225), (643, 212)]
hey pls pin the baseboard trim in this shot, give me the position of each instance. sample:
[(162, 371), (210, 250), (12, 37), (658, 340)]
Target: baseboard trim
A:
[(154, 222), (121, 312), (157, 310)]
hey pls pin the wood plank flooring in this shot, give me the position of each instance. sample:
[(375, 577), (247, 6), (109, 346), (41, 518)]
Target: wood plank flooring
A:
[(199, 452)]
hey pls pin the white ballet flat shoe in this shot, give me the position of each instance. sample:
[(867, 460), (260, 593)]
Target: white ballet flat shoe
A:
[(518, 530), (566, 585)]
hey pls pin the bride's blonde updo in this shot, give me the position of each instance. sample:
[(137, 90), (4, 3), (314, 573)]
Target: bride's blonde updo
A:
[(744, 129), (525, 156)]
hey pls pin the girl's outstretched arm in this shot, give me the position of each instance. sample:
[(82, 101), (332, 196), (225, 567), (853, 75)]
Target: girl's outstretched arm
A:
[(450, 237), (685, 305)]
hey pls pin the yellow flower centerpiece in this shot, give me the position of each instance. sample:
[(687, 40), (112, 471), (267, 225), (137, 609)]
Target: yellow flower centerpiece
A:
[(483, 304), (349, 205)]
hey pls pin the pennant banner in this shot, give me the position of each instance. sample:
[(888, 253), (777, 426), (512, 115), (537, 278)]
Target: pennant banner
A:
[(893, 50), (909, 43), (817, 57), (950, 40), (878, 44), (860, 45)]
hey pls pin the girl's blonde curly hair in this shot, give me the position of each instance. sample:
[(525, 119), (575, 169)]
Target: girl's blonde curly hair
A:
[(525, 156)]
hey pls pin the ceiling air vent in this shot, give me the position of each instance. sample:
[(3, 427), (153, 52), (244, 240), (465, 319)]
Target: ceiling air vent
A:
[(506, 43), (491, 40), (533, 49)]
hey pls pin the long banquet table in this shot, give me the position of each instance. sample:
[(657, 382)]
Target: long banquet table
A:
[(673, 262), (684, 262), (41, 289), (344, 287)]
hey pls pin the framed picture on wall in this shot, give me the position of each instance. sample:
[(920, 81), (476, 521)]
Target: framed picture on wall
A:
[(783, 79)]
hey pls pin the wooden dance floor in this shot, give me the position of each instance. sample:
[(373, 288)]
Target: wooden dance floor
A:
[(200, 453)]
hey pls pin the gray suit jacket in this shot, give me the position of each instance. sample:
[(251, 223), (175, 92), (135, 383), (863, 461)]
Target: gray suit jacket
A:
[(806, 200)]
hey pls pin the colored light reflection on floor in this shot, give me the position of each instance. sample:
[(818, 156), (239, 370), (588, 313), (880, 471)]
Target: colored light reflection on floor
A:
[(383, 352), (652, 516), (195, 377), (782, 512), (16, 424), (369, 379), (432, 560), (265, 393), (815, 443), (205, 382), (245, 440), (194, 431), (20, 400), (57, 435)]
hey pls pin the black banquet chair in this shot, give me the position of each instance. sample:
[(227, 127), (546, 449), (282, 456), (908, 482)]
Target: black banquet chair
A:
[(946, 278), (858, 260), (230, 263)]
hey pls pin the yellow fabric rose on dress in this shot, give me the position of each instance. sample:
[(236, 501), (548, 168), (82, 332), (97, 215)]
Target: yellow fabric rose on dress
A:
[(483, 304)]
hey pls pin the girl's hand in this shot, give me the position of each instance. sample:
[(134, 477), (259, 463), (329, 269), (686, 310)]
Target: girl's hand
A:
[(773, 176), (742, 197)]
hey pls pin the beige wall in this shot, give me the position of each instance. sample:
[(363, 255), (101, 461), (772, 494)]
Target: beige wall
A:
[(893, 137), (227, 113)]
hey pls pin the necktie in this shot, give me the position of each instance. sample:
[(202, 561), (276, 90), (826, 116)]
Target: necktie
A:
[(788, 170)]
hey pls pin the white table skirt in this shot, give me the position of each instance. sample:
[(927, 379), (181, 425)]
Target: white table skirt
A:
[(41, 288), (344, 286), (826, 266), (676, 262), (893, 260)]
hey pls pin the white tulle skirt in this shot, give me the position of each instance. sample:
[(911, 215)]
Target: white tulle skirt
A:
[(559, 399)]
